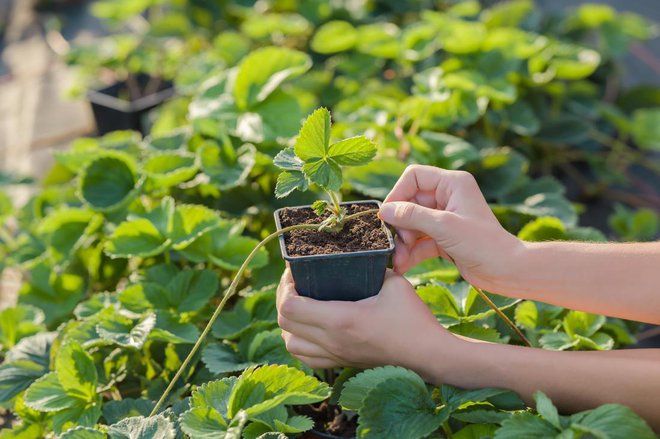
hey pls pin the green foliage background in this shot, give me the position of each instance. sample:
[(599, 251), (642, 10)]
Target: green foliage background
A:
[(129, 241)]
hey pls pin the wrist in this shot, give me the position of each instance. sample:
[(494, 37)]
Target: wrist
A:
[(508, 278), (441, 355)]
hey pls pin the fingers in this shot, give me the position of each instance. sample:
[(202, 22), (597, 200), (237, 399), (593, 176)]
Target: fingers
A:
[(411, 216), (311, 333), (299, 346), (407, 256), (418, 178), (455, 191), (325, 315)]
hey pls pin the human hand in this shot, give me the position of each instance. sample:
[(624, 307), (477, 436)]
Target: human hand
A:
[(443, 213), (393, 328)]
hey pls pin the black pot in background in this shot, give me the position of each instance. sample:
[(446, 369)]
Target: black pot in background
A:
[(342, 276), (112, 113)]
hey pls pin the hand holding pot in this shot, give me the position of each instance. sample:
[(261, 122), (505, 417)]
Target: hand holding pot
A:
[(443, 213), (380, 330)]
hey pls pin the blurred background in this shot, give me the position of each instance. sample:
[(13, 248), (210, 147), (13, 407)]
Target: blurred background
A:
[(42, 104), (66, 66)]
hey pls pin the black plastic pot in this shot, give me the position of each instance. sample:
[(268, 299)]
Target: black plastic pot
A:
[(112, 113), (342, 276)]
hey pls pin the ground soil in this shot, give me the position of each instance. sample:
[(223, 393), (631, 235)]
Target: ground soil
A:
[(329, 419), (363, 233)]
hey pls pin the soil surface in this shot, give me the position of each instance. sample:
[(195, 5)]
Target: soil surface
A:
[(329, 419), (363, 233)]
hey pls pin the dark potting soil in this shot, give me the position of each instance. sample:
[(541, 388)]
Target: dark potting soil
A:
[(329, 419), (363, 233)]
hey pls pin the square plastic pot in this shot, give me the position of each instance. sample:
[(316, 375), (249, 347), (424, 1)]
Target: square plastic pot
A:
[(112, 113), (340, 276)]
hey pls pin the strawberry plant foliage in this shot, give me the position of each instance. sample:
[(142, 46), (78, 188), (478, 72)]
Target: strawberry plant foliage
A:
[(314, 159), (129, 245)]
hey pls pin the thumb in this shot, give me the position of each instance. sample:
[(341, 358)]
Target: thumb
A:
[(411, 216)]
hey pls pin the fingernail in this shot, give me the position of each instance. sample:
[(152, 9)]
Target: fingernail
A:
[(387, 212)]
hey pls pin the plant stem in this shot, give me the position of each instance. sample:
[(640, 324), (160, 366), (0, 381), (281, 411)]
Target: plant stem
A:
[(230, 292), (447, 429), (335, 202), (503, 316)]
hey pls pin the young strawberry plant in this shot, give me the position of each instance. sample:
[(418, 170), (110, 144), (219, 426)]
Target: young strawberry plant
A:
[(315, 160)]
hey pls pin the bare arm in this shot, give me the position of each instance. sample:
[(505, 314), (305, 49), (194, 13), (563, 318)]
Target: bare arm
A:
[(574, 380), (619, 280)]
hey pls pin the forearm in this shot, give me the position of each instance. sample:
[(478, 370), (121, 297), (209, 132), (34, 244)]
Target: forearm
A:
[(619, 280), (629, 377)]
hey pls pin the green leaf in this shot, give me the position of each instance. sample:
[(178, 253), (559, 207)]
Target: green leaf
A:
[(76, 371), (557, 341), (234, 252), (95, 304), (83, 414), (286, 159), (334, 36), (325, 172), (543, 229), (186, 290), (527, 315), (115, 411), (18, 376), (635, 225), (139, 427), (475, 432), (170, 329), (565, 130), (289, 181), (223, 246), (47, 395), (398, 407), (379, 40), (225, 171), (455, 397), (221, 358), (354, 151), (19, 322), (547, 409), (611, 421), (646, 128), (357, 388), (525, 426), (190, 222), (263, 70), (138, 237), (203, 423), (313, 140), (266, 124), (125, 332), (214, 394), (67, 229), (261, 389), (170, 169), (472, 330), (82, 433), (582, 323), (109, 182), (319, 206), (255, 312)]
